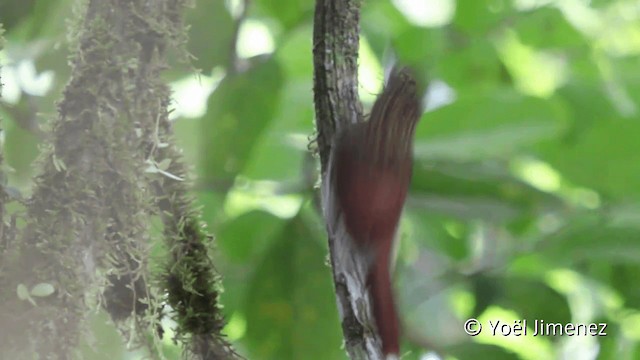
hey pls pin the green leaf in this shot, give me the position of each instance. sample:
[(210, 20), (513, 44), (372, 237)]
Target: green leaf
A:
[(50, 19), (533, 299), (481, 16), (604, 157), (288, 13), (106, 344), (20, 145), (483, 124), (467, 208), (471, 62), (295, 54), (23, 294), (290, 307), (480, 352), (610, 346), (619, 276), (164, 164), (42, 290), (588, 104), (279, 153), (547, 27), (629, 94), (151, 169), (12, 13), (245, 236), (475, 190), (429, 230), (592, 239), (239, 111), (210, 34), (382, 22), (417, 47)]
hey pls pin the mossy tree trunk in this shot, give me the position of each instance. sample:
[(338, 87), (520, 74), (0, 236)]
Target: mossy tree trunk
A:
[(109, 170)]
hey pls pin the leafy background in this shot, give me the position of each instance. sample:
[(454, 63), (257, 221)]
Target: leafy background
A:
[(525, 200)]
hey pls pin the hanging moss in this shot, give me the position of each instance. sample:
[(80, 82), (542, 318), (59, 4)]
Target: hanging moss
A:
[(189, 276)]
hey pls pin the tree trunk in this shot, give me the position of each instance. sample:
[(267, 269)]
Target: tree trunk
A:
[(109, 169), (335, 58)]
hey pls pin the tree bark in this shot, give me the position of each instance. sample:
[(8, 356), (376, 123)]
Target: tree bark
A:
[(337, 105)]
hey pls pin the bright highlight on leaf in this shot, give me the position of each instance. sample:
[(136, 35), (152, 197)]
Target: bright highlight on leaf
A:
[(527, 348), (538, 174), (428, 13), (236, 327), (370, 75), (535, 72), (190, 94), (240, 201), (255, 39), (631, 324)]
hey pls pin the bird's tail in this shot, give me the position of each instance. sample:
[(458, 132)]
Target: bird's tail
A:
[(384, 309)]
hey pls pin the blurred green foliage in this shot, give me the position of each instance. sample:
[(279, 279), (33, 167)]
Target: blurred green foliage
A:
[(525, 201)]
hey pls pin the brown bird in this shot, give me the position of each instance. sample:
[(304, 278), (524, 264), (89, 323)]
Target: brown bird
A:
[(370, 171)]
